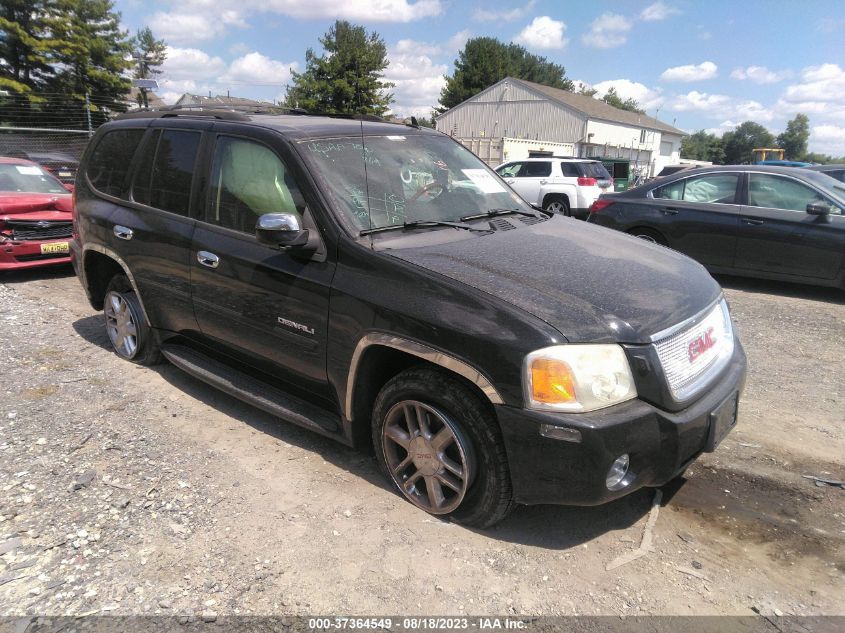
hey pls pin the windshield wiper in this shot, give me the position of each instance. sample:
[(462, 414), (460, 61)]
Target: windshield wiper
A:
[(494, 212), (420, 224)]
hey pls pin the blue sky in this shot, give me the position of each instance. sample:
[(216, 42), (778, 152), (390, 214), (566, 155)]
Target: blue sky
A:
[(700, 65)]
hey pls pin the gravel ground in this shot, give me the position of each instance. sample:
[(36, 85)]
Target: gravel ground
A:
[(130, 490)]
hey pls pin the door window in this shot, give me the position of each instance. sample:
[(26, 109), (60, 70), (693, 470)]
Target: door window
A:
[(249, 180), (710, 188), (536, 170), (779, 192), (166, 171), (509, 171)]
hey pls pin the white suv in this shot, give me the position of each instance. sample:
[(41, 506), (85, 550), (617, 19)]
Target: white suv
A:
[(562, 185)]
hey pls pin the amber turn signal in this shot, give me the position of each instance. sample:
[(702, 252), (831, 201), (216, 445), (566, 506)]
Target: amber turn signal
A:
[(552, 381)]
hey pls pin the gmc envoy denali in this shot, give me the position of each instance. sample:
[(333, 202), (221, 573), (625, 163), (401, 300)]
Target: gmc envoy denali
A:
[(379, 284)]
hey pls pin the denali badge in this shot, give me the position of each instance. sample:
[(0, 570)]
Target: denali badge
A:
[(296, 326), (701, 344)]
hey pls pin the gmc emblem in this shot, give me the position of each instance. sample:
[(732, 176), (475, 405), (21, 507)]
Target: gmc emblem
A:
[(700, 345)]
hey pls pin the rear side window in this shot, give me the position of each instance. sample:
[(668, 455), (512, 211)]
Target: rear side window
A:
[(109, 163), (570, 170), (718, 188), (166, 171), (594, 170)]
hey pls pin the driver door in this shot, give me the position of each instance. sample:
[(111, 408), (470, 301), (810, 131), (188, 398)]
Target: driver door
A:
[(262, 303)]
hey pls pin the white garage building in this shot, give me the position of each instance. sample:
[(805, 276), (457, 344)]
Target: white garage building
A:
[(514, 117)]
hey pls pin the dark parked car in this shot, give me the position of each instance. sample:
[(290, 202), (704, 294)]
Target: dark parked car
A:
[(62, 166), (834, 171), (774, 222), (379, 284)]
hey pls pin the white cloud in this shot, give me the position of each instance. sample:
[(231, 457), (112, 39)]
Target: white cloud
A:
[(362, 10), (543, 33), (185, 28), (690, 72), (723, 107), (827, 139), (658, 11), (484, 15), (418, 82), (648, 99), (190, 64), (609, 30), (724, 126), (823, 84), (411, 47), (256, 69), (759, 75), (457, 41)]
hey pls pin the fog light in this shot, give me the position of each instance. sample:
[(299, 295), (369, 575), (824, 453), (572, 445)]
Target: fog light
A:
[(617, 472)]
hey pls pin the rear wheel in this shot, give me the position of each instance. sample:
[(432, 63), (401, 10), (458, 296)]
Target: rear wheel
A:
[(557, 204), (131, 338), (441, 448), (649, 235)]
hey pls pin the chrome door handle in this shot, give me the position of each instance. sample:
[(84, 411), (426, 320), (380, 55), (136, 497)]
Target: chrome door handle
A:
[(752, 222), (123, 232), (509, 181), (543, 182), (208, 259), (670, 211)]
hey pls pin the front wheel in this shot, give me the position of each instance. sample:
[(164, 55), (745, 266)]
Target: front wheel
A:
[(441, 448), (131, 338)]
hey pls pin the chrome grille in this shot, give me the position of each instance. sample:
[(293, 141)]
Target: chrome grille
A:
[(692, 356)]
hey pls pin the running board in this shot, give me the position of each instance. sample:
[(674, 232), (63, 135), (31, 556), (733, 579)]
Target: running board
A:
[(253, 391)]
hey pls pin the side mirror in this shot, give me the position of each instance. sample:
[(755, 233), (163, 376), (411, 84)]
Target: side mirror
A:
[(280, 230), (818, 208)]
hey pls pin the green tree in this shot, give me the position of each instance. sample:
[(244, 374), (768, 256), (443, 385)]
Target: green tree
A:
[(148, 54), (347, 78), (793, 140), (587, 91), (746, 137), (612, 98), (24, 47), (703, 146), (485, 60)]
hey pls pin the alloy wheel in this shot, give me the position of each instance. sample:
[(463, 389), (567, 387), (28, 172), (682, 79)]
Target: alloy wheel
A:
[(427, 456), (120, 325), (556, 207)]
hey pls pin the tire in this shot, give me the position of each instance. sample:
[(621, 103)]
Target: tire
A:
[(130, 336), (557, 204), (649, 236), (458, 441)]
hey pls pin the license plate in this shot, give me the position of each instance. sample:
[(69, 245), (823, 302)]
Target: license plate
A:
[(722, 420), (55, 247), (65, 174)]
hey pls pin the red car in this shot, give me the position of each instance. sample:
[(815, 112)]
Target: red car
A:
[(35, 216)]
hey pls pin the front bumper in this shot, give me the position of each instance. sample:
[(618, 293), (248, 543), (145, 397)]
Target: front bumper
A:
[(16, 255), (660, 443)]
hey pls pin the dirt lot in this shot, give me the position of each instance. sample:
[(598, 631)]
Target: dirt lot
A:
[(128, 490)]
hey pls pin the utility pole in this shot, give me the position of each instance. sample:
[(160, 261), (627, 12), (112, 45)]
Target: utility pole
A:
[(88, 114), (142, 74)]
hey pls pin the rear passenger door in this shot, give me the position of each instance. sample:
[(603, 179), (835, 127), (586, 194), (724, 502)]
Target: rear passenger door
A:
[(268, 307), (155, 228), (531, 178), (699, 216)]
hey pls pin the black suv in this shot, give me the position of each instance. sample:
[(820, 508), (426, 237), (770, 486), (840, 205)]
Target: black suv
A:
[(377, 283)]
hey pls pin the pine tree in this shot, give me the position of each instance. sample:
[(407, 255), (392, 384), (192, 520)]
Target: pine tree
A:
[(347, 77)]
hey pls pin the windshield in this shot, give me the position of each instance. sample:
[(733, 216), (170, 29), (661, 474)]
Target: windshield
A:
[(29, 179), (390, 180)]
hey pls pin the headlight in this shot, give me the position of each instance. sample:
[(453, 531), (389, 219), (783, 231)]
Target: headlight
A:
[(577, 378)]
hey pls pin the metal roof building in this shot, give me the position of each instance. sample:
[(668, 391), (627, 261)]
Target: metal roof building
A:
[(513, 117)]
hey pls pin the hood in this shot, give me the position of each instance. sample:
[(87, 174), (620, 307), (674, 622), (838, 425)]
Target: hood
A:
[(590, 283), (35, 206)]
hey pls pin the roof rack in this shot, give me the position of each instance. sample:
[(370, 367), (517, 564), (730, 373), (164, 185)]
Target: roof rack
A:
[(237, 113), (189, 111)]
